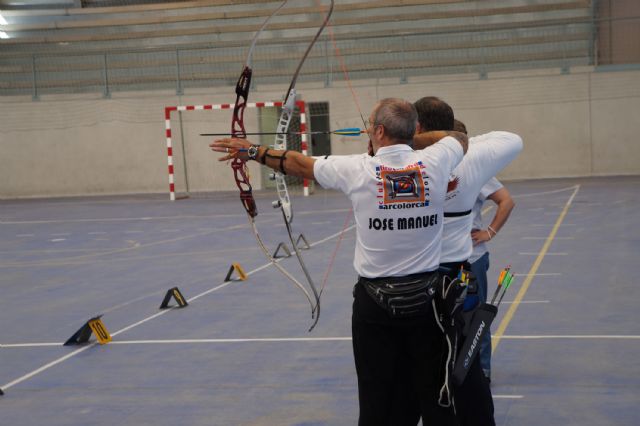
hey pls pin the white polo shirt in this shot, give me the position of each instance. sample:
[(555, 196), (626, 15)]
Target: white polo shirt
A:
[(489, 188), (487, 155), (398, 201)]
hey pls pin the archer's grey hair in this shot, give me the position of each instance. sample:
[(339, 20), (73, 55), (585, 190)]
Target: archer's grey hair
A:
[(398, 117)]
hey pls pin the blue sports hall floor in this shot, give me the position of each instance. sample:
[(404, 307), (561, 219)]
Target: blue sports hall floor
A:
[(566, 339)]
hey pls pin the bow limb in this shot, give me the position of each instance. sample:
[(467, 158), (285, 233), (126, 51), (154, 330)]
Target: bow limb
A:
[(277, 265), (284, 202), (244, 82), (239, 166)]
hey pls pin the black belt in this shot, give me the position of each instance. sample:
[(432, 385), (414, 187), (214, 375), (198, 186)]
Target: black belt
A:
[(453, 268), (407, 296), (457, 214)]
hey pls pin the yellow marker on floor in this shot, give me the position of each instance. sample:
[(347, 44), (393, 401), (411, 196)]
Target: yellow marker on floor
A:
[(175, 294), (238, 269), (94, 325), (99, 329)]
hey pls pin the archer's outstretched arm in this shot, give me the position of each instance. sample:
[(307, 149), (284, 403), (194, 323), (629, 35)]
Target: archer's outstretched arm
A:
[(288, 162)]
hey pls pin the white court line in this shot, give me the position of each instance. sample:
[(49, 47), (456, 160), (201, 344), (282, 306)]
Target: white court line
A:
[(57, 240), (554, 213), (546, 254), (574, 336), (580, 204), (53, 251), (324, 211), (551, 224), (533, 194), (47, 366), (121, 219), (188, 341), (72, 354), (507, 396), (528, 301), (82, 258), (124, 219), (302, 339), (29, 345), (544, 238), (255, 340)]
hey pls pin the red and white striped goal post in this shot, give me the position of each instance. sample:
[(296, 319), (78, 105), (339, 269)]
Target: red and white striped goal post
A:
[(167, 120)]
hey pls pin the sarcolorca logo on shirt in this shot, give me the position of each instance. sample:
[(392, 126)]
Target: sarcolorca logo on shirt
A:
[(404, 188), (452, 187)]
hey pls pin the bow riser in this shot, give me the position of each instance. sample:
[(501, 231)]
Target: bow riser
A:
[(238, 131), (242, 94)]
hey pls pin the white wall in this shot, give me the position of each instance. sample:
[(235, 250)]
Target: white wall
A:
[(579, 124)]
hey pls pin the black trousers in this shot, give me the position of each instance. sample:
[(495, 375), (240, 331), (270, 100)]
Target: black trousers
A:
[(393, 357), (473, 400)]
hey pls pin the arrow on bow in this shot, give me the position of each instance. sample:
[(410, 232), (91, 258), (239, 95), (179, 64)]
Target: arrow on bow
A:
[(349, 131)]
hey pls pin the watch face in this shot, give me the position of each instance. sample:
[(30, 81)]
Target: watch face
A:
[(252, 152)]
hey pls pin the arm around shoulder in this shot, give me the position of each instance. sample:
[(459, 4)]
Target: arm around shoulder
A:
[(423, 140), (462, 138)]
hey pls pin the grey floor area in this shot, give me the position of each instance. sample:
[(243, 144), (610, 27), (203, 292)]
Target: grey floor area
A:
[(240, 353)]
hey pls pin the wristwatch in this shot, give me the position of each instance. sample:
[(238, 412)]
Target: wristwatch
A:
[(252, 152)]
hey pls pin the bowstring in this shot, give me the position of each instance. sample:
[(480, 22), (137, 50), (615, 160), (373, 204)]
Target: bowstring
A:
[(345, 72)]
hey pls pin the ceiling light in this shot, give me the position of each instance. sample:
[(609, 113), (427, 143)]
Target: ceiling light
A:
[(3, 34), (2, 20)]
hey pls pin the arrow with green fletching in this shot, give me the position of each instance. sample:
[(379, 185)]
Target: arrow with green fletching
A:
[(507, 282)]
